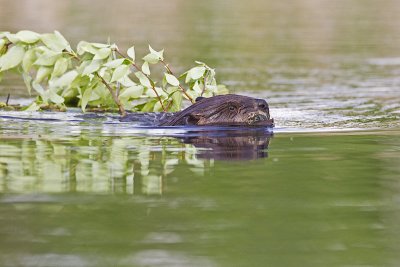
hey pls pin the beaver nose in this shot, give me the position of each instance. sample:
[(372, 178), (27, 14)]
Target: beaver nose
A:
[(259, 117), (262, 104)]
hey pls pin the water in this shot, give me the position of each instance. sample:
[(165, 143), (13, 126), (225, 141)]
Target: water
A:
[(321, 190)]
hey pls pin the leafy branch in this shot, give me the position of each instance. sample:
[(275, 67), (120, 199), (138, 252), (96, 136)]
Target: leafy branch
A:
[(99, 75)]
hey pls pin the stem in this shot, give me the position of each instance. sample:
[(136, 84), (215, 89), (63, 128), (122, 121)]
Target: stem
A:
[(169, 104), (204, 86), (118, 84), (114, 96), (148, 77), (180, 86), (73, 55), (152, 86), (8, 98)]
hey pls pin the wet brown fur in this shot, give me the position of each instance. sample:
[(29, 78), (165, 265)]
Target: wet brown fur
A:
[(224, 110)]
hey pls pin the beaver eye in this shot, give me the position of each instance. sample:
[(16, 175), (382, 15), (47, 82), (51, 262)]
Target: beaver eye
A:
[(262, 106), (232, 108)]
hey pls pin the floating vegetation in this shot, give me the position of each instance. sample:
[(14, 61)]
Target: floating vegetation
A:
[(99, 75)]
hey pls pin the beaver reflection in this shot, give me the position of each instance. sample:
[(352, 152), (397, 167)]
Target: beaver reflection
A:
[(246, 147)]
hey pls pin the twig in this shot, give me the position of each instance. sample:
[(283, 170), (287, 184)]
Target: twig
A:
[(8, 98), (114, 96), (169, 104), (180, 86)]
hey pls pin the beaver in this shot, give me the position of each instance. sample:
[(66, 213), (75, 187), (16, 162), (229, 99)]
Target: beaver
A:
[(221, 110), (240, 146)]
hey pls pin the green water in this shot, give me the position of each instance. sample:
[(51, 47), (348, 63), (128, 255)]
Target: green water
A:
[(323, 190), (316, 200)]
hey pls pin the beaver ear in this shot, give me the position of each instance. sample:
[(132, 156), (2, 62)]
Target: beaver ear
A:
[(190, 120), (199, 98)]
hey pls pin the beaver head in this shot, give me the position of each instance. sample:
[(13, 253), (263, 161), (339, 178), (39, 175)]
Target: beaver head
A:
[(224, 110)]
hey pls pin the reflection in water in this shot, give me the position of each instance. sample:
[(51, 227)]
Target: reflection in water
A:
[(126, 164), (320, 199), (246, 147)]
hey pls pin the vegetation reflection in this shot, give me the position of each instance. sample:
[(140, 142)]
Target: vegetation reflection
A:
[(122, 165)]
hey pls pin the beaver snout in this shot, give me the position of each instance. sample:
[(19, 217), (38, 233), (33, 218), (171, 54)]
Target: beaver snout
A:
[(259, 117), (256, 117)]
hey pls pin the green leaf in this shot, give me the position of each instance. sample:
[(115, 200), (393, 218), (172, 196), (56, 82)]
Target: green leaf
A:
[(101, 91), (60, 67), (207, 93), (28, 37), (40, 90), (145, 68), (65, 80), (151, 93), (151, 58), (114, 63), (164, 82), (55, 98), (195, 73), (131, 53), (92, 67), (12, 58), (84, 46), (63, 42), (69, 93), (83, 65), (197, 88), (126, 81), (171, 79), (143, 79), (11, 37), (32, 107), (3, 34), (100, 45), (157, 107), (176, 97), (27, 81), (102, 53), (55, 41), (177, 104), (105, 73), (132, 92), (48, 58), (190, 93), (85, 98), (149, 106), (42, 73), (222, 90), (29, 58), (120, 72), (159, 54), (2, 46)]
